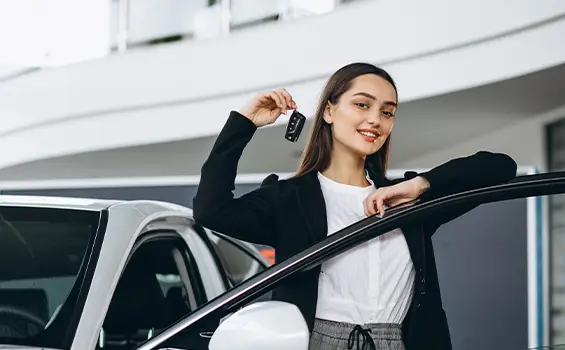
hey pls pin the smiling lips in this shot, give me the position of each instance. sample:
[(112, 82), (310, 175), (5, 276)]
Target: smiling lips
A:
[(370, 135)]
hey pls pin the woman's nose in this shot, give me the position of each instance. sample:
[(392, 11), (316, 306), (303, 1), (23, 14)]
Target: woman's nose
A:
[(374, 119)]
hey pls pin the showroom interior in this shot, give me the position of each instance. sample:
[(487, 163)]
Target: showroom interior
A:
[(124, 99)]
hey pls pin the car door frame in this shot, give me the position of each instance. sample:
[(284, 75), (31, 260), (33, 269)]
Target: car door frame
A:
[(521, 187), (212, 275)]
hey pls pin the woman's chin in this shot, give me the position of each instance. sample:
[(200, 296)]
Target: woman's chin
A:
[(363, 149), (368, 149), (364, 152)]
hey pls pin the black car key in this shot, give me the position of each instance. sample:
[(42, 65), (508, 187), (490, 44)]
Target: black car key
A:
[(295, 125)]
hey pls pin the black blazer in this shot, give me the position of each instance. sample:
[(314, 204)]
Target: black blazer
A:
[(289, 215)]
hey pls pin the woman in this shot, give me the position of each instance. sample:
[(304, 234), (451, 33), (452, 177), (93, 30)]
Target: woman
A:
[(383, 294)]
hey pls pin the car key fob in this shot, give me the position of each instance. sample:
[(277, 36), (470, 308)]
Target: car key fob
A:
[(294, 127)]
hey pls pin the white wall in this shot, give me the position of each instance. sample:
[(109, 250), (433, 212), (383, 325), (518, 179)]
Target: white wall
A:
[(183, 91)]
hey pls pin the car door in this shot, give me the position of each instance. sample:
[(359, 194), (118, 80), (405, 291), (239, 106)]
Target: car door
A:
[(160, 284), (194, 331)]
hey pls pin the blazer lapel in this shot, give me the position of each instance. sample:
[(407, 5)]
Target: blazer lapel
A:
[(313, 206)]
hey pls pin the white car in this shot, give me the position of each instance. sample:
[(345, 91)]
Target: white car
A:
[(86, 274)]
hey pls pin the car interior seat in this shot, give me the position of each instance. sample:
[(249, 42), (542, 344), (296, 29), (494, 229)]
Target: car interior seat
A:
[(138, 308), (177, 305)]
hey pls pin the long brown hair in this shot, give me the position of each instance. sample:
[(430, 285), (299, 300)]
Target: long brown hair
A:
[(317, 153)]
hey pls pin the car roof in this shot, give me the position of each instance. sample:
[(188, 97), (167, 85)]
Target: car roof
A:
[(57, 202), (86, 203)]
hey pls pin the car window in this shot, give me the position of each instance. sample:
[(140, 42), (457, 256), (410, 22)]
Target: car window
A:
[(43, 255), (500, 231), (159, 285), (237, 264)]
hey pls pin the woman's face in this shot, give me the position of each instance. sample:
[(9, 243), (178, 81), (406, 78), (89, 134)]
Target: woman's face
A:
[(363, 117)]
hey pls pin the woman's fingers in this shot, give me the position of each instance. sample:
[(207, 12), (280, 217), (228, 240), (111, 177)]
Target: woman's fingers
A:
[(380, 203), (390, 196), (366, 205), (266, 107), (288, 99), (370, 203), (378, 200), (281, 98), (278, 99)]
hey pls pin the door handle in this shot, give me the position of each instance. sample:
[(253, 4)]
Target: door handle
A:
[(207, 335)]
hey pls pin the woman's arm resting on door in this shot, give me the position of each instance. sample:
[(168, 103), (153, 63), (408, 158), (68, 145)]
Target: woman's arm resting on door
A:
[(480, 170)]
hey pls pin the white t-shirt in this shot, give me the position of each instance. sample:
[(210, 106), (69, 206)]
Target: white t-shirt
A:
[(371, 283)]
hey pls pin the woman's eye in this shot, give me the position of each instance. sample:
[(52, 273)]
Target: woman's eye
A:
[(388, 113), (362, 105)]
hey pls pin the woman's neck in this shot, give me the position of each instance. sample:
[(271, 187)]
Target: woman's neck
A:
[(347, 168)]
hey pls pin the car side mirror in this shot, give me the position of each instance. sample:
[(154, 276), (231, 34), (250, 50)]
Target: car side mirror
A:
[(272, 325)]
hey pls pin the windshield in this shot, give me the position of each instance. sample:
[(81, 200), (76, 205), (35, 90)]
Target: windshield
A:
[(42, 251)]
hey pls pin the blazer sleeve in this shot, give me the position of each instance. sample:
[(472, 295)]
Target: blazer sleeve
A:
[(250, 217), (480, 170)]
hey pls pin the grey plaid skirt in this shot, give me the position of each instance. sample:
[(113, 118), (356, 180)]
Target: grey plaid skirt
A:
[(330, 335)]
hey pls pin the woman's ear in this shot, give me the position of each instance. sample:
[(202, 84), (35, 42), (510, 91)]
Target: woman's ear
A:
[(328, 113)]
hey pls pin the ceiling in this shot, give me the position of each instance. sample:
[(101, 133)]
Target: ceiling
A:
[(422, 127)]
